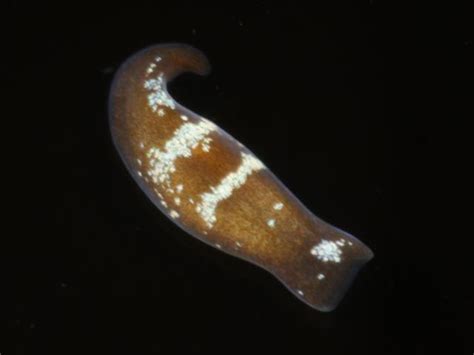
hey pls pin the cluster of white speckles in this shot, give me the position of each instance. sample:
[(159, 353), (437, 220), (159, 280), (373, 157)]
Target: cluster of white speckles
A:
[(205, 145), (152, 65), (158, 95), (185, 138), (151, 68), (277, 206), (328, 250), (162, 161), (209, 200)]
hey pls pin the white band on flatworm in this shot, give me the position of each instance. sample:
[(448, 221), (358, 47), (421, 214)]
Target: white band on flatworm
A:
[(185, 138), (210, 200)]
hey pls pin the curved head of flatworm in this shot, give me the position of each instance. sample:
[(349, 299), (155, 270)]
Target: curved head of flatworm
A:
[(218, 191)]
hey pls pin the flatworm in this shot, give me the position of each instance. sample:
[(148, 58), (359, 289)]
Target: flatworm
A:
[(215, 189)]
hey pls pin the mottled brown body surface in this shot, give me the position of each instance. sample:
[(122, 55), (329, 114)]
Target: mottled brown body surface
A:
[(177, 157)]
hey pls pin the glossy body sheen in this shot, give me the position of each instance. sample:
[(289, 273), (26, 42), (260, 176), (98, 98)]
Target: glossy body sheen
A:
[(215, 189)]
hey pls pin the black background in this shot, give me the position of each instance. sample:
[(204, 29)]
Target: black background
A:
[(359, 108)]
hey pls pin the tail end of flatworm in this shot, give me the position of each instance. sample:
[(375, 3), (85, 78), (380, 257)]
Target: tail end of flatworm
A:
[(341, 282), (323, 282)]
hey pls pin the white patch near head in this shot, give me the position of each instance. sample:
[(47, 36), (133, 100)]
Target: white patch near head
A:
[(174, 214), (158, 95), (321, 276), (271, 223), (278, 206), (150, 68), (327, 251), (209, 200), (180, 145)]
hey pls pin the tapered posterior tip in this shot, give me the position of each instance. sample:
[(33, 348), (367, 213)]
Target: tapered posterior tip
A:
[(340, 276), (324, 270), (339, 282)]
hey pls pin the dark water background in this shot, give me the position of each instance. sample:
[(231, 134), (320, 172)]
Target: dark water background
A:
[(360, 108)]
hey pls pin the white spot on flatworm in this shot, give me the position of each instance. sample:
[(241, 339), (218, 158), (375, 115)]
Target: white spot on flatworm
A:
[(278, 206), (174, 214), (179, 188), (177, 201), (158, 95), (321, 276), (327, 251), (161, 112), (271, 223), (234, 180), (184, 117), (301, 293)]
